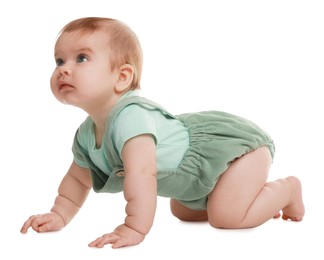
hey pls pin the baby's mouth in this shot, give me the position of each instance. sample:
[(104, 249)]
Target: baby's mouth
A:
[(65, 86)]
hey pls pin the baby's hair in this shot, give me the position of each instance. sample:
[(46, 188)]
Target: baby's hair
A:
[(123, 42)]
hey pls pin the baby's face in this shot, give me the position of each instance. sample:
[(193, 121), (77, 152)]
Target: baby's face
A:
[(83, 75)]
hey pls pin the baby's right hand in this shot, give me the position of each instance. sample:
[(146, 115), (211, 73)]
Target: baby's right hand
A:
[(44, 223)]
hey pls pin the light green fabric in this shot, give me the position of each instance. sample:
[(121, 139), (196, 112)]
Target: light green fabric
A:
[(171, 137), (216, 139)]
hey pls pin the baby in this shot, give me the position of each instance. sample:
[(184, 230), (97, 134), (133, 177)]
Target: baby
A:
[(212, 165)]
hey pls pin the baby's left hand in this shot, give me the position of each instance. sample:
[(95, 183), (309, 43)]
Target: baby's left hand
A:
[(121, 237)]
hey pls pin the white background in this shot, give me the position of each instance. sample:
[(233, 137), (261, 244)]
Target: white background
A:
[(260, 59)]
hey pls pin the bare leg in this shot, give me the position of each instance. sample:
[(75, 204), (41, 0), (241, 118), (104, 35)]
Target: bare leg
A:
[(242, 198), (184, 213), (295, 210)]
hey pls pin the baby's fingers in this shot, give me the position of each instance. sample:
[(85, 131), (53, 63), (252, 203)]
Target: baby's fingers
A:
[(43, 223), (26, 225), (104, 240), (120, 243), (38, 223)]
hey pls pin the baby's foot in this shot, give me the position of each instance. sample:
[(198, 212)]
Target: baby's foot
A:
[(295, 210)]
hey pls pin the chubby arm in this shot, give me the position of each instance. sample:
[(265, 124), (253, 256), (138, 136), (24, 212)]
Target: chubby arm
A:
[(72, 193), (140, 186), (140, 191)]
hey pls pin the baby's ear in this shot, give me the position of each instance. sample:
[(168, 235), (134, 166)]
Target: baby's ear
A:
[(126, 74)]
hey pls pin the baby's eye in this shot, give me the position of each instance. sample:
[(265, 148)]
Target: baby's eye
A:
[(81, 58), (59, 62)]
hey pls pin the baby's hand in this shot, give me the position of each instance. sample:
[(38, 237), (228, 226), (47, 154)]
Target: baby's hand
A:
[(44, 223), (122, 236)]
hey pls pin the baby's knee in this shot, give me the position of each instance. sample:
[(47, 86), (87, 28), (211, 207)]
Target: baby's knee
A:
[(225, 222), (174, 207), (185, 214)]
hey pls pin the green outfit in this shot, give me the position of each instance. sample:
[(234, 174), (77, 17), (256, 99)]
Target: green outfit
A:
[(202, 147)]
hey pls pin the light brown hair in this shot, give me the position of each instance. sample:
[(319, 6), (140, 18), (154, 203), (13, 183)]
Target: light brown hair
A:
[(123, 42)]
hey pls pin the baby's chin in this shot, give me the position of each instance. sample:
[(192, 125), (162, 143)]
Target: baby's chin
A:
[(64, 101), (67, 101)]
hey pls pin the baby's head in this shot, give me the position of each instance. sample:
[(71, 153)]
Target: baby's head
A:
[(123, 42)]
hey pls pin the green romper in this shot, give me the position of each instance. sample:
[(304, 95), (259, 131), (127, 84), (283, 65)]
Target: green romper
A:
[(216, 139)]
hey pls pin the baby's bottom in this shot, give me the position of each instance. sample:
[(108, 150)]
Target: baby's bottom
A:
[(242, 198)]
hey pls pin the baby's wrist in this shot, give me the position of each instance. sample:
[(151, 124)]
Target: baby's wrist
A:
[(65, 208), (58, 214)]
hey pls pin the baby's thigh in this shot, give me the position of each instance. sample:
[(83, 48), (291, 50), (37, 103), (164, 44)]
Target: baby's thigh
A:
[(239, 185)]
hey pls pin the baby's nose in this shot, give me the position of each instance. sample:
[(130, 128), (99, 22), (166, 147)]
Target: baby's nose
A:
[(65, 70)]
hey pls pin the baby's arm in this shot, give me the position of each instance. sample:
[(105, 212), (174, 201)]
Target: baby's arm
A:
[(72, 192), (140, 191)]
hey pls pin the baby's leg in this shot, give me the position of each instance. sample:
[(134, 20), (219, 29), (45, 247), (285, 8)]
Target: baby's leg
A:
[(186, 214), (242, 198)]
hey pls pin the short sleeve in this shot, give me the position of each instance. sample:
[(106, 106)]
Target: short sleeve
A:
[(132, 121), (79, 146), (78, 154)]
